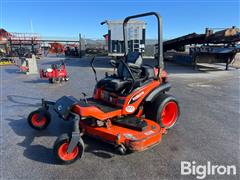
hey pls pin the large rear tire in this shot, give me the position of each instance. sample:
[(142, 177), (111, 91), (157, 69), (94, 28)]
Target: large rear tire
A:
[(60, 150), (164, 110)]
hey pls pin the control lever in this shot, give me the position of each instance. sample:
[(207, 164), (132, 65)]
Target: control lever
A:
[(94, 71), (84, 97), (114, 64)]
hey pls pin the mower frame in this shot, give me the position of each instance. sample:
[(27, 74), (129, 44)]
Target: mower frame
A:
[(123, 125), (160, 39)]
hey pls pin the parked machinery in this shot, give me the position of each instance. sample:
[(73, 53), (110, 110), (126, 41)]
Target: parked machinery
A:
[(28, 64), (129, 109), (71, 51), (56, 74), (210, 47), (6, 61)]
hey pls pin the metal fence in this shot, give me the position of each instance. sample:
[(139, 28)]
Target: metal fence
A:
[(70, 46)]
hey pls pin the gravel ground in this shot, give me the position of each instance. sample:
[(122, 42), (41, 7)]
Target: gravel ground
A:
[(208, 129)]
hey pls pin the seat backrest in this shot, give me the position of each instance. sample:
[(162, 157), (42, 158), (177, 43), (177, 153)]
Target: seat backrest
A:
[(122, 71), (148, 71), (133, 59)]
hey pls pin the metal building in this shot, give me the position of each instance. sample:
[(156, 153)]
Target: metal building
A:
[(136, 32)]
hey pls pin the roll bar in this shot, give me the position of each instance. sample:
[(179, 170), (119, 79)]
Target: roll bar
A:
[(160, 39)]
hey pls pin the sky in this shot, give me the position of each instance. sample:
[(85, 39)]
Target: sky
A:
[(68, 18)]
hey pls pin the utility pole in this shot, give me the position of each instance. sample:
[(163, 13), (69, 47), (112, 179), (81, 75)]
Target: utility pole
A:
[(33, 46), (80, 47)]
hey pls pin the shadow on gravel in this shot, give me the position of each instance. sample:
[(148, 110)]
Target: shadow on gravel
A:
[(44, 81), (13, 71), (98, 148), (213, 68), (34, 152), (21, 128), (44, 154), (24, 100)]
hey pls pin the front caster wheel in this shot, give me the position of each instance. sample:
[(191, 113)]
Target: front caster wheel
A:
[(39, 119), (57, 80), (121, 149), (60, 150), (52, 80), (66, 78)]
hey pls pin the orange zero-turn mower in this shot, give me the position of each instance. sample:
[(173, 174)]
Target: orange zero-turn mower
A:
[(129, 109)]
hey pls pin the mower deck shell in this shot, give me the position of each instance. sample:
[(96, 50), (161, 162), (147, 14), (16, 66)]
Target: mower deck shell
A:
[(134, 140)]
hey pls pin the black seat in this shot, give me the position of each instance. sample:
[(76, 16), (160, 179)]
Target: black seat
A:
[(121, 81), (148, 71), (134, 62), (113, 84)]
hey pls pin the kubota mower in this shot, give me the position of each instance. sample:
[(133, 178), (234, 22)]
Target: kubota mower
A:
[(129, 109), (55, 74)]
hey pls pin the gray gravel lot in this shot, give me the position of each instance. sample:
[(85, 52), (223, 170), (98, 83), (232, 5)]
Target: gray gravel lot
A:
[(208, 129)]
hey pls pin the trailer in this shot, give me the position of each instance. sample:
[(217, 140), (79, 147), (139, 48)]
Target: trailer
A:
[(210, 47), (136, 32)]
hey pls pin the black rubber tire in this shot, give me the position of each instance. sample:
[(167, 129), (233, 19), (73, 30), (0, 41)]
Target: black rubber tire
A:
[(47, 115), (67, 78), (57, 80), (50, 80), (153, 110), (121, 149), (63, 139)]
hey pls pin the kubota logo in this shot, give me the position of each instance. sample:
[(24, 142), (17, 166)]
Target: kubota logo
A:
[(130, 109)]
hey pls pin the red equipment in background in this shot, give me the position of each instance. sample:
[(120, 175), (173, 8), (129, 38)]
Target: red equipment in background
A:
[(56, 48), (55, 74)]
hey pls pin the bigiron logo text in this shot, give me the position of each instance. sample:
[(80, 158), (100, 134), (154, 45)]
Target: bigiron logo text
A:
[(201, 171)]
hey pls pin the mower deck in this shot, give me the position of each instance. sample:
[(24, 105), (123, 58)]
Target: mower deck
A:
[(133, 123), (134, 140), (137, 134)]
